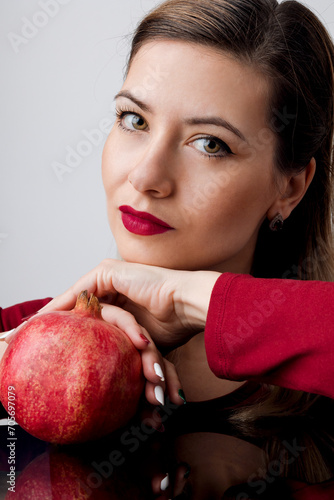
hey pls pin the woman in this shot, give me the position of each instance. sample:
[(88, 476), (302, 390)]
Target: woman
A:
[(220, 161)]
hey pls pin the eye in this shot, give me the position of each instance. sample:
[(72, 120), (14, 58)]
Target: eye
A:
[(131, 121), (134, 121), (212, 146)]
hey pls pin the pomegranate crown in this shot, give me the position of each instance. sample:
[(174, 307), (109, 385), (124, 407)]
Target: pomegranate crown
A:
[(88, 306)]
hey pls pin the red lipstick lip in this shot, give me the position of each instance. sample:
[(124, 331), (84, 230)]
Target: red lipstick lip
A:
[(144, 215), (142, 223)]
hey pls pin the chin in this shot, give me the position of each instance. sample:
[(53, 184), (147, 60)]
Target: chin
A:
[(147, 257), (148, 252)]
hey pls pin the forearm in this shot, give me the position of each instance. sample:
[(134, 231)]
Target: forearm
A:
[(276, 331), (192, 296)]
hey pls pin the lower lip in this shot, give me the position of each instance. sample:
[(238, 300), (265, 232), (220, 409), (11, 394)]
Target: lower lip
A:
[(143, 227)]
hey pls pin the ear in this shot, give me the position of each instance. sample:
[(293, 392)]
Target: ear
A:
[(293, 190)]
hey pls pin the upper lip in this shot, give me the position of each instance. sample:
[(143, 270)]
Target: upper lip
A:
[(143, 215)]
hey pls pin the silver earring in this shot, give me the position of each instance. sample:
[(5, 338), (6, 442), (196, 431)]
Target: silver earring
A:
[(277, 223)]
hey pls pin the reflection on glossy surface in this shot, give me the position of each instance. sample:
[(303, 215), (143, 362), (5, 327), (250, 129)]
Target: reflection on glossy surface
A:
[(60, 475), (217, 463), (201, 462), (111, 470)]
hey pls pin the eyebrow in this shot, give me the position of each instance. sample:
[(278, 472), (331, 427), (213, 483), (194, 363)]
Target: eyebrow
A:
[(210, 120), (128, 95), (218, 122)]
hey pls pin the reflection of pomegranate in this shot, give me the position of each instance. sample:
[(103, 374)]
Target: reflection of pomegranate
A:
[(76, 377), (56, 475)]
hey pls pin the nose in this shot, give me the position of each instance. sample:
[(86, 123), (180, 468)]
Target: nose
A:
[(153, 172)]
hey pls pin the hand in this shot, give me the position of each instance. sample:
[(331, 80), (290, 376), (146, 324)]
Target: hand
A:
[(159, 373), (171, 305), (165, 305)]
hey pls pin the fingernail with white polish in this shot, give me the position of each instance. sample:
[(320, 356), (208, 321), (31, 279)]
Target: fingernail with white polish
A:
[(159, 394), (158, 371), (164, 483)]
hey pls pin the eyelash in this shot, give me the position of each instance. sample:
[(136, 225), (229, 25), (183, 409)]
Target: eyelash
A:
[(121, 113), (226, 151)]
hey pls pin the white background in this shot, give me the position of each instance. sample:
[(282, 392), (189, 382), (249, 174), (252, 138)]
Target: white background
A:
[(58, 84)]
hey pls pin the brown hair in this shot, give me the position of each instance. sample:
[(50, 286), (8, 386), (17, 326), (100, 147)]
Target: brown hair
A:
[(288, 44), (293, 50)]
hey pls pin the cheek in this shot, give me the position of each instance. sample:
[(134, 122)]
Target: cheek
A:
[(111, 171), (106, 167), (238, 199)]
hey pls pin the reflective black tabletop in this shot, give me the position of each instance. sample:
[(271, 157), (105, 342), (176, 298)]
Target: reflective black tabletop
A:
[(194, 453)]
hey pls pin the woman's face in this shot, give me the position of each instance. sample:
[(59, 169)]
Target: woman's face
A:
[(191, 147)]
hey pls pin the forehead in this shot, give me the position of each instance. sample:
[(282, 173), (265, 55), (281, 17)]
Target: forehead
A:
[(191, 77)]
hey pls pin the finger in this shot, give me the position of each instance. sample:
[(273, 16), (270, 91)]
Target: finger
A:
[(8, 336), (174, 387), (171, 484), (162, 374), (63, 302), (67, 300), (155, 393), (180, 478), (161, 484), (96, 281), (128, 324), (152, 361), (153, 364)]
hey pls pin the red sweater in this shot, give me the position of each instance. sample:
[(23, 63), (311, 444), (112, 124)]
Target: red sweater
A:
[(13, 316), (276, 331)]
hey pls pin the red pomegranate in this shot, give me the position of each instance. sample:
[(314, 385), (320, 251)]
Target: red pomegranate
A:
[(76, 378)]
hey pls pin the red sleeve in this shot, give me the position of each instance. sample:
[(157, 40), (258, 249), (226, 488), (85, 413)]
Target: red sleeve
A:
[(276, 331), (12, 316), (302, 491)]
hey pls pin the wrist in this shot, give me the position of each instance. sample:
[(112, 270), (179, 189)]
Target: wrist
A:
[(194, 296)]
